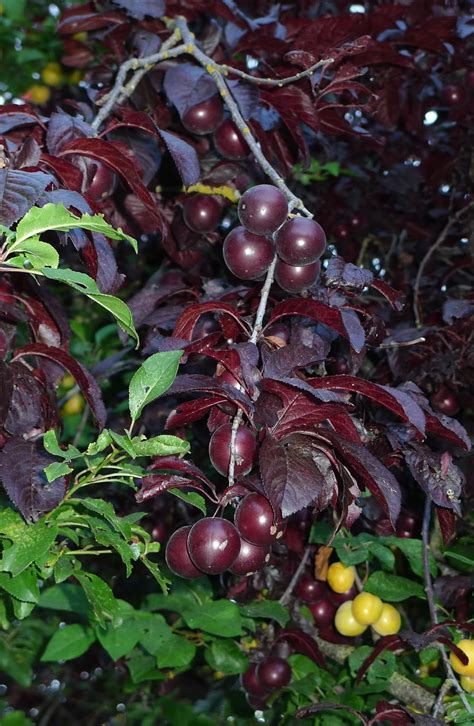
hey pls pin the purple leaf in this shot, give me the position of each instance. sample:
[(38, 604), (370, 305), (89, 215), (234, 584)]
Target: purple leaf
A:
[(295, 474), (140, 8), (21, 471), (187, 320), (185, 468), (184, 156), (455, 309), (387, 642), (85, 381), (24, 414), (186, 413), (321, 313), (394, 297), (368, 470), (12, 116), (344, 274), (19, 190), (283, 361), (187, 85), (302, 643), (156, 484), (439, 478), (62, 129), (246, 96), (187, 383), (6, 390)]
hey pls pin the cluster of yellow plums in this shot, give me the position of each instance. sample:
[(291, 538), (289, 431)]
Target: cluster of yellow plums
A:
[(465, 671), (353, 617)]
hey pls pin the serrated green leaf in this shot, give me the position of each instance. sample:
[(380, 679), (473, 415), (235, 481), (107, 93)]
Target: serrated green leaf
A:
[(106, 510), (51, 444), (86, 285), (120, 640), (176, 652), (155, 632), (142, 668), (56, 469), (67, 597), (102, 442), (225, 656), (155, 571), (100, 597), (268, 609), (393, 588), (55, 217), (219, 617), (35, 253), (159, 446), (11, 523), (35, 541), (21, 609), (152, 379), (68, 643), (24, 586), (192, 498), (124, 442)]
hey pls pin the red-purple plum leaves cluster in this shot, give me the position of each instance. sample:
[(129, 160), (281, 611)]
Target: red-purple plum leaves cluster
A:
[(341, 394)]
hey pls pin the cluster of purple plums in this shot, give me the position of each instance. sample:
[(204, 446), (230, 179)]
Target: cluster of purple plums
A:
[(214, 545)]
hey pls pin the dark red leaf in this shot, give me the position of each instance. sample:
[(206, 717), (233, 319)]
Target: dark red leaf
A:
[(441, 481), (66, 172), (62, 129), (188, 383), (6, 390), (186, 85), (156, 484), (343, 274), (319, 312), (25, 410), (19, 191), (140, 8), (187, 320), (447, 523), (295, 474), (13, 115), (184, 156), (186, 413), (394, 297), (285, 360), (302, 643), (185, 468), (387, 642), (85, 381), (21, 471)]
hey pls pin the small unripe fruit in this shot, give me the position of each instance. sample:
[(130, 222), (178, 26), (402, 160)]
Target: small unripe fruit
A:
[(345, 622), (467, 647), (73, 405), (367, 608), (389, 621), (340, 578), (467, 682), (52, 74), (38, 94)]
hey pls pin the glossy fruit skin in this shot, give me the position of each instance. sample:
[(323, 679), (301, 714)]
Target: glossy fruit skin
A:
[(204, 118), (340, 578), (340, 597), (273, 673), (230, 380), (255, 520), (467, 682), (295, 279), (251, 684), (342, 231), (310, 590), (367, 608), (300, 241), (262, 209), (445, 401), (213, 544), (247, 255), (256, 702), (229, 141), (201, 213), (389, 621), (245, 449), (159, 533), (467, 647), (345, 622), (177, 555), (250, 559), (323, 612)]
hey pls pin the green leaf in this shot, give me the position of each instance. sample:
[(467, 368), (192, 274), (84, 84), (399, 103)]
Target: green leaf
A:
[(11, 523), (106, 510), (143, 668), (159, 446), (219, 617), (14, 9), (176, 652), (413, 551), (24, 586), (100, 596), (152, 379), (103, 441), (155, 571), (22, 610), (56, 469), (192, 498), (120, 640), (392, 587), (86, 285), (124, 442), (51, 444), (67, 597), (225, 656), (55, 217), (156, 632), (68, 643), (268, 609), (33, 545), (35, 253)]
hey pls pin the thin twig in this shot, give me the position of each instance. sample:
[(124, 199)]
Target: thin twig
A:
[(279, 82), (296, 576), (439, 241), (425, 534), (442, 693)]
